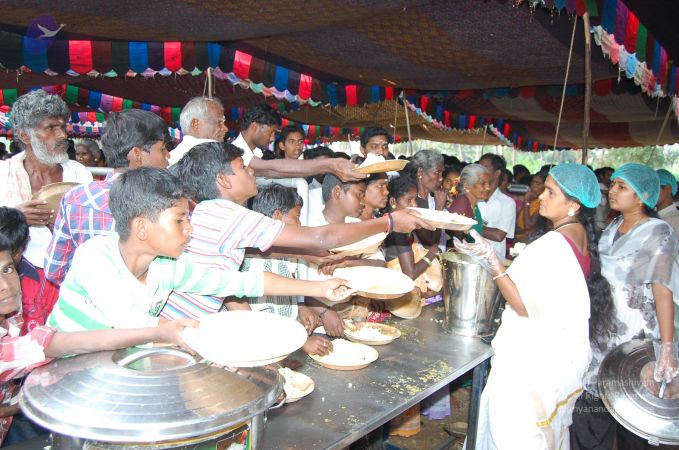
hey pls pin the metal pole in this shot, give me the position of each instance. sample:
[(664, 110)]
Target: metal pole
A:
[(478, 382), (588, 86), (565, 82), (410, 139), (210, 82)]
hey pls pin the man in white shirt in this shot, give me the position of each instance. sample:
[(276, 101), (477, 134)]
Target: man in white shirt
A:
[(201, 120), (667, 210), (499, 211), (39, 121), (258, 129)]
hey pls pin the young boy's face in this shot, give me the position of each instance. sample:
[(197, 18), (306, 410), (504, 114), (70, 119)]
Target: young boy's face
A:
[(170, 234), (243, 182), (351, 201), (10, 289), (292, 216)]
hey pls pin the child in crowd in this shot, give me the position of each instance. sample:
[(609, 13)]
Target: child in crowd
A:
[(38, 295), (21, 354), (217, 178), (402, 251), (284, 204), (344, 202), (123, 280)]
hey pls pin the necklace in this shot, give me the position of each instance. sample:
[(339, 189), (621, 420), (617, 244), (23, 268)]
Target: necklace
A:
[(565, 224)]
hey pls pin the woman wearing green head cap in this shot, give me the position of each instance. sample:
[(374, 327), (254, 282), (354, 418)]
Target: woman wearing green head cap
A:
[(639, 259), (542, 348)]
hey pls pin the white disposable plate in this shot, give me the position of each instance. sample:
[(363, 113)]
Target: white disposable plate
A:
[(445, 219), (364, 246), (390, 165), (245, 338), (297, 385), (376, 282), (383, 334), (347, 355)]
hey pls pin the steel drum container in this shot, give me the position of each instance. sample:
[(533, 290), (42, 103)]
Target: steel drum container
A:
[(630, 394), (156, 398), (470, 296)]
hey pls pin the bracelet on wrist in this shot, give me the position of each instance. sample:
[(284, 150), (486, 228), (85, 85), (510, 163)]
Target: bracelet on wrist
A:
[(500, 275), (427, 260), (390, 223)]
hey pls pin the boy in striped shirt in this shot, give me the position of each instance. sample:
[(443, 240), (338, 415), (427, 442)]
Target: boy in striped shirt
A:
[(123, 280)]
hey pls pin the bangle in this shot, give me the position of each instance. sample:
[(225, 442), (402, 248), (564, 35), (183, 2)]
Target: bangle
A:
[(390, 223), (427, 260), (500, 275)]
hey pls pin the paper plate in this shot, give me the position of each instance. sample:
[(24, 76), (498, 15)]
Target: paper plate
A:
[(444, 219), (52, 194), (297, 385), (347, 355), (365, 246), (389, 165), (376, 282), (370, 333), (245, 338), (407, 307)]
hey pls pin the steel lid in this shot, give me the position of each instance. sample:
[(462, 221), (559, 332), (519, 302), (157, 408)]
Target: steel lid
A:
[(144, 395), (630, 394)]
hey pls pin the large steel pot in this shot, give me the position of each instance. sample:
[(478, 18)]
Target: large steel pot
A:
[(471, 298), (630, 394), (158, 398)]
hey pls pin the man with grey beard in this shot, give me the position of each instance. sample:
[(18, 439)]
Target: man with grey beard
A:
[(39, 122)]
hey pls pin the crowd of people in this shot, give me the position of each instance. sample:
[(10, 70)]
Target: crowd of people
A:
[(170, 236)]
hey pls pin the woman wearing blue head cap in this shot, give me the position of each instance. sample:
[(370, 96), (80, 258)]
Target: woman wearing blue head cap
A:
[(667, 209), (639, 257), (542, 348)]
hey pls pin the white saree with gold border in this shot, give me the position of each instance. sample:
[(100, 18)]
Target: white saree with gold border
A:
[(540, 360)]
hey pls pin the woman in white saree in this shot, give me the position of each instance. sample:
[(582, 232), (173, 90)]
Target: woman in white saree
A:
[(542, 348)]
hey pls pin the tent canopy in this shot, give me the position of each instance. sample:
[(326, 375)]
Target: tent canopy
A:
[(449, 52)]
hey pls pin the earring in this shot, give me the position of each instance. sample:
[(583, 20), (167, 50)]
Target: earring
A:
[(420, 177), (571, 213)]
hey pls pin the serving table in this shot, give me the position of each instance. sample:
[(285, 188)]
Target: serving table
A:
[(347, 405)]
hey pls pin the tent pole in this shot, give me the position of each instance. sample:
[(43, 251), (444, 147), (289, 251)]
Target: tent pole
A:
[(660, 133), (210, 82), (410, 140), (565, 83), (395, 119), (588, 86)]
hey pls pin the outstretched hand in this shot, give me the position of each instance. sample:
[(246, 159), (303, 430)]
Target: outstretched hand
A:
[(344, 170), (481, 251), (406, 220), (171, 332), (337, 290)]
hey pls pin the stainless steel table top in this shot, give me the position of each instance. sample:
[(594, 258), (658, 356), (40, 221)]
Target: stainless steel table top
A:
[(347, 405)]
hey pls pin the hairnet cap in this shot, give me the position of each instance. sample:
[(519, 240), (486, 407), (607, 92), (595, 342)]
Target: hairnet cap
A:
[(642, 179), (579, 182), (667, 179)]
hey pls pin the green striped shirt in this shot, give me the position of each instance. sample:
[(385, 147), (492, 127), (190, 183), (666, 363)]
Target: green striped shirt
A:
[(100, 292)]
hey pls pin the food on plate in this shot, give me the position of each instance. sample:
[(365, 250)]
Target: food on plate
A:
[(297, 385)]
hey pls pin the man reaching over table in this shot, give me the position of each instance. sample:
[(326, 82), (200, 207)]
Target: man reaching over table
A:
[(202, 120)]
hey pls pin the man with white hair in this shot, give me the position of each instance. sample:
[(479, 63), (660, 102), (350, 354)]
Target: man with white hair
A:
[(39, 123), (201, 120)]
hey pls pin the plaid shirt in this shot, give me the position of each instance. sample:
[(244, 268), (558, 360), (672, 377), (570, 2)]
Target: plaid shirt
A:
[(18, 356), (83, 213)]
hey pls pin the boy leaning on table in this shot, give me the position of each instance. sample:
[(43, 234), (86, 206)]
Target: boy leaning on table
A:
[(123, 280), (21, 354)]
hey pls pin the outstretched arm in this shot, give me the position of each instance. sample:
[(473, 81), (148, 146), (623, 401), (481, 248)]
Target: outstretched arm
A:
[(63, 344)]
